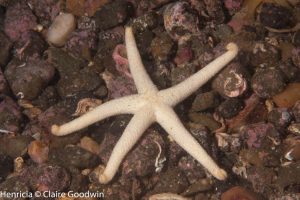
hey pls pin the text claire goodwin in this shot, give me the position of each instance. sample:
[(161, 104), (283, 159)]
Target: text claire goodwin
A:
[(51, 194)]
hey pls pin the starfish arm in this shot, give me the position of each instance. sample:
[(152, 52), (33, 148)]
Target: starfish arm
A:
[(168, 119), (134, 130), (124, 105), (141, 78), (184, 89)]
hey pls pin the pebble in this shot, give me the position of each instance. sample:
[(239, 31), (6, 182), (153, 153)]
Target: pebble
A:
[(239, 192), (275, 16), (261, 82), (280, 117), (230, 107), (179, 74), (147, 157), (289, 69), (180, 19), (162, 47), (46, 177), (192, 169), (296, 111), (14, 185), (205, 120), (145, 22), (73, 156), (14, 146), (82, 7), (289, 175), (18, 20), (118, 12), (61, 28), (5, 46), (288, 97), (38, 151), (232, 81), (6, 166), (296, 56), (264, 54), (28, 79), (204, 101), (215, 11), (10, 114)]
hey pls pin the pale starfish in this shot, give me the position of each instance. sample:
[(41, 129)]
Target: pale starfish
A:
[(148, 106)]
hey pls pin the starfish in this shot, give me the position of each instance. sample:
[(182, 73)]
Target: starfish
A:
[(148, 106)]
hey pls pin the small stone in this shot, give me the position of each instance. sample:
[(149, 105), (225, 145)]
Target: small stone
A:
[(10, 114), (82, 7), (230, 107), (162, 47), (180, 19), (204, 101), (147, 158), (232, 81), (275, 16), (288, 97), (261, 82), (28, 79), (205, 120), (289, 175), (117, 11), (46, 10), (173, 181), (18, 20), (214, 9), (289, 69), (296, 111), (184, 55), (14, 146), (201, 185), (296, 56), (14, 185), (258, 135), (5, 46), (38, 151), (47, 177), (239, 192), (181, 73), (73, 156), (145, 22), (192, 169), (90, 145), (280, 117), (6, 167), (60, 29), (264, 54), (233, 5), (30, 45), (261, 178)]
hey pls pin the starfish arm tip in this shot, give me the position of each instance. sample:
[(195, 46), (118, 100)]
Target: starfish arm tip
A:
[(232, 47), (221, 175), (55, 129), (103, 179)]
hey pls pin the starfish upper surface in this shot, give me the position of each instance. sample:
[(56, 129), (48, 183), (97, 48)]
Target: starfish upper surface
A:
[(151, 105)]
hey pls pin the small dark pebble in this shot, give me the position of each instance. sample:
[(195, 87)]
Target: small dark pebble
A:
[(289, 69), (173, 181), (162, 47), (141, 160), (215, 10), (79, 182), (264, 54), (289, 175), (275, 16), (179, 74), (261, 178), (31, 44), (47, 98), (296, 56), (204, 101), (18, 20), (6, 166), (230, 107), (28, 79), (296, 111), (204, 119), (296, 38), (14, 146), (180, 19), (107, 41), (232, 81), (14, 185), (280, 117), (46, 177), (145, 22), (117, 11), (192, 169), (261, 82), (10, 114), (5, 46), (73, 156)]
